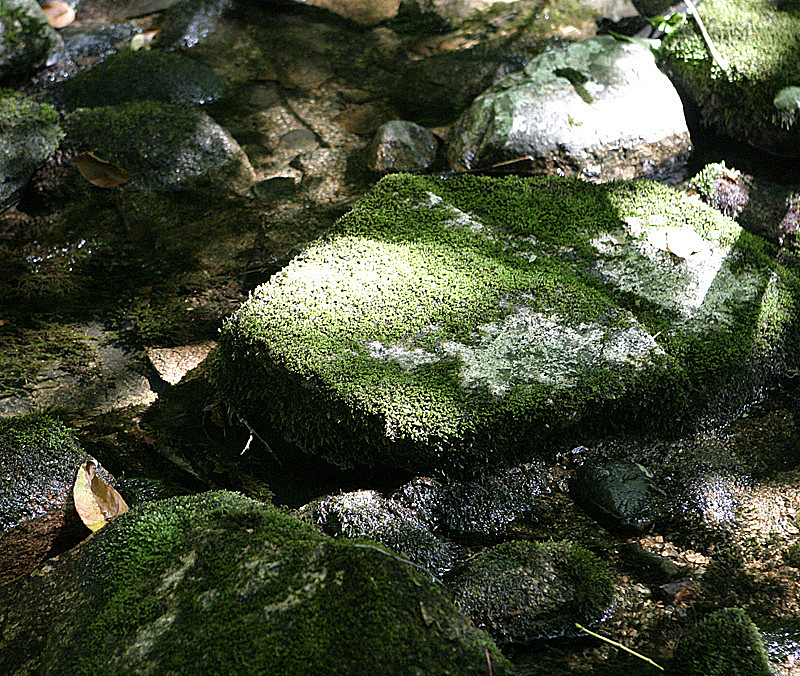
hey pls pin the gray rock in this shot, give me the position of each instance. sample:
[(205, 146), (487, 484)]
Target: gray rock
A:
[(618, 493), (218, 582), (522, 591), (144, 75), (187, 22), (26, 39), (463, 324), (366, 514), (39, 460), (435, 90), (165, 147), (29, 135), (599, 109), (401, 146)]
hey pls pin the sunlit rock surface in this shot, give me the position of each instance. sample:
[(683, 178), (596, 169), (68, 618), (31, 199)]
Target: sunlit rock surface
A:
[(452, 325), (219, 583), (757, 98), (599, 109)]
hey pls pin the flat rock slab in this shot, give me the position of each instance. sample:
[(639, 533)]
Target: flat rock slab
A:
[(451, 325)]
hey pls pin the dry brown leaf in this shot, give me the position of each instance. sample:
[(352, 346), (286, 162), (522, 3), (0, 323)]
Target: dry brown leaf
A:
[(58, 14), (99, 172), (95, 501)]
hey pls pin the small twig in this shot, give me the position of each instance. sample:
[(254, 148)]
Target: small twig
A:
[(488, 660), (619, 645), (397, 557), (254, 434), (715, 55)]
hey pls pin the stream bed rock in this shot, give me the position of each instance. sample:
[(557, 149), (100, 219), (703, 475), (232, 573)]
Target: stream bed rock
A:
[(449, 325), (218, 582)]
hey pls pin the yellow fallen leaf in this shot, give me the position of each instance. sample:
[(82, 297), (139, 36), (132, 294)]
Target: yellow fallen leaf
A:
[(58, 14), (99, 172), (95, 501), (143, 40)]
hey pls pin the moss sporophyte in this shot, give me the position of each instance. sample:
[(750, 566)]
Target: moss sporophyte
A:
[(441, 322)]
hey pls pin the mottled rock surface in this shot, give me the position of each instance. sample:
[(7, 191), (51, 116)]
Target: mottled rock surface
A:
[(218, 582), (26, 39), (401, 146), (599, 109)]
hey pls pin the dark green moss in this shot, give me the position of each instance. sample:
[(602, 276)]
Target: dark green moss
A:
[(21, 113), (151, 75), (761, 41), (218, 583), (724, 643)]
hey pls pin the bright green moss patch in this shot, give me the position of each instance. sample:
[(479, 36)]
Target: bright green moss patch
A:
[(453, 324), (761, 41), (218, 583)]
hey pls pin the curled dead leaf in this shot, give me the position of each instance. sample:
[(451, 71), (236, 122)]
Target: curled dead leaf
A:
[(99, 172), (684, 243), (143, 40), (95, 501), (58, 14)]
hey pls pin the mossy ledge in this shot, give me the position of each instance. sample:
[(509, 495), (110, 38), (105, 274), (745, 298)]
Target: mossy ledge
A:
[(760, 39), (219, 583), (453, 325)]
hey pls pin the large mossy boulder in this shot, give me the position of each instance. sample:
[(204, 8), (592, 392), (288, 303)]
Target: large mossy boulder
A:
[(599, 109), (523, 591), (218, 583), (39, 460), (26, 39), (29, 134), (164, 146), (452, 325), (757, 99)]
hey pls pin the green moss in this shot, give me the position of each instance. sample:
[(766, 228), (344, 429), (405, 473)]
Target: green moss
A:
[(21, 113), (152, 75), (219, 583), (724, 643), (38, 461), (521, 591), (374, 336), (761, 41)]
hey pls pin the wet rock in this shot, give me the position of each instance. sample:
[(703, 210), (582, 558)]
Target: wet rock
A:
[(435, 90), (724, 642), (26, 39), (87, 42), (675, 592), (39, 460), (456, 325), (522, 591), (401, 146), (755, 100), (366, 514), (274, 188), (144, 75), (164, 146), (29, 134), (486, 507), (188, 584), (187, 22), (599, 109), (423, 497), (362, 12), (760, 207), (650, 567), (619, 494)]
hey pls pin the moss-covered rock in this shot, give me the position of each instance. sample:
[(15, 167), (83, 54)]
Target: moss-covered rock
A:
[(25, 39), (164, 146), (218, 583), (144, 75), (760, 39), (724, 643), (452, 325), (39, 460), (522, 591), (367, 514), (29, 134)]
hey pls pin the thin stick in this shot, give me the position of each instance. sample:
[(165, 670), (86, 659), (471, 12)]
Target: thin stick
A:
[(619, 645), (715, 55)]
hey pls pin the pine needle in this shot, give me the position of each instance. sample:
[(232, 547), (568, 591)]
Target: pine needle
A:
[(715, 55), (619, 645)]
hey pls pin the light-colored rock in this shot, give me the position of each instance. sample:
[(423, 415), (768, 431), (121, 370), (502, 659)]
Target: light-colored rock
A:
[(599, 109), (401, 146)]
